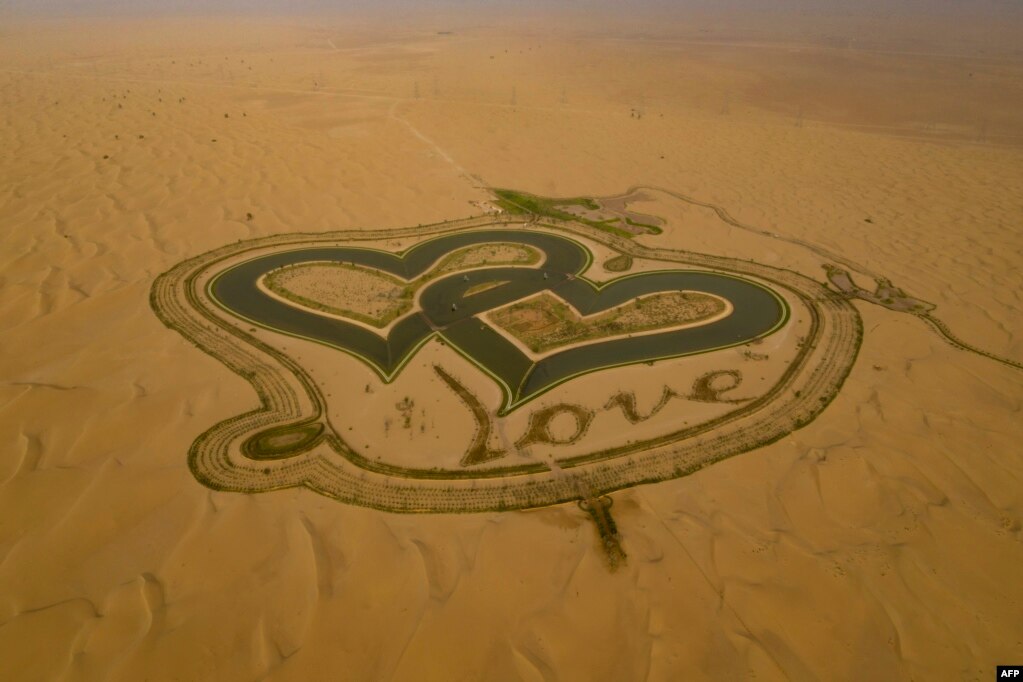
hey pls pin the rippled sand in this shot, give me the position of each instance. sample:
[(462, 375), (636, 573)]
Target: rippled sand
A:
[(883, 541)]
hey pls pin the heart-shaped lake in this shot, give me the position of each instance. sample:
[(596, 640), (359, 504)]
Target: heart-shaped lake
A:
[(615, 364), (452, 305)]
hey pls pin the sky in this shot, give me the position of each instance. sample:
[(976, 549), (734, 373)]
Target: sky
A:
[(974, 8)]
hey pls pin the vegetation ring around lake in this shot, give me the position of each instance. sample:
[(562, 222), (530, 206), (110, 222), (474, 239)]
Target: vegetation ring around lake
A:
[(258, 451)]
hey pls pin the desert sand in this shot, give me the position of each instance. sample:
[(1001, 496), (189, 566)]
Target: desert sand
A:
[(880, 541)]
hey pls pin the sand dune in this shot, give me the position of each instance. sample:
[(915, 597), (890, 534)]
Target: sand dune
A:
[(882, 541)]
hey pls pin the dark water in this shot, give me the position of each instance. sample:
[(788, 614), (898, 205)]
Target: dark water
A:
[(757, 311)]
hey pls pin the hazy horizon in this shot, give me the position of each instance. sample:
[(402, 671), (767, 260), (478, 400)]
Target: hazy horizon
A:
[(979, 10)]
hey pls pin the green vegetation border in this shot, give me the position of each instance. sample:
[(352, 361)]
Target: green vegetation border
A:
[(508, 404), (213, 464)]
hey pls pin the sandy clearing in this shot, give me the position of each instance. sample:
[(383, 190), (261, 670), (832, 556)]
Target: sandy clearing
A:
[(899, 508)]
